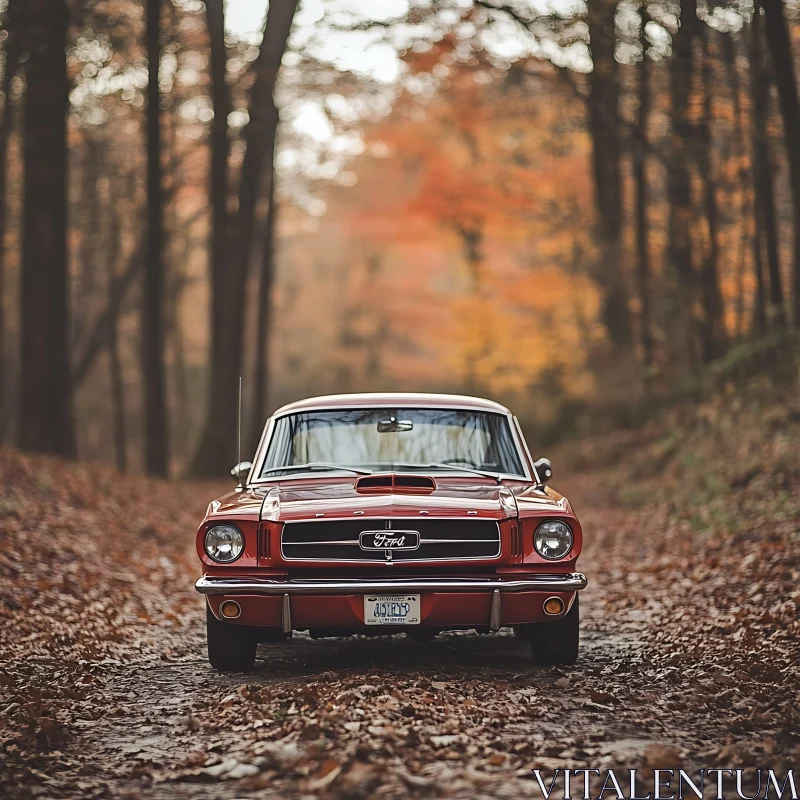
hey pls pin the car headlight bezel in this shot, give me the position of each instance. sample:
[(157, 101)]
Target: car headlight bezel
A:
[(564, 533), (236, 540)]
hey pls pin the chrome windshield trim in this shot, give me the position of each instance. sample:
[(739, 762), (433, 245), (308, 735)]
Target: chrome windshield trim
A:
[(570, 582), (521, 441), (263, 445), (405, 518)]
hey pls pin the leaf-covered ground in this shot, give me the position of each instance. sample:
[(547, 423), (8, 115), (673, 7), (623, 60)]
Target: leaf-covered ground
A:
[(689, 649)]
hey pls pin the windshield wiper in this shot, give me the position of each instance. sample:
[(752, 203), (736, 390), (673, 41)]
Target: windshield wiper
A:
[(451, 468), (315, 465), (466, 469)]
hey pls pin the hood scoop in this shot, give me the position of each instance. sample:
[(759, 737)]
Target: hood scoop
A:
[(395, 484)]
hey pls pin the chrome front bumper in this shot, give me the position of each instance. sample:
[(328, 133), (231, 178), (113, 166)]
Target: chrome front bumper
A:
[(570, 582)]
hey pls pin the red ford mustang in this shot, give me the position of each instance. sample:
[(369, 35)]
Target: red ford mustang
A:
[(388, 513)]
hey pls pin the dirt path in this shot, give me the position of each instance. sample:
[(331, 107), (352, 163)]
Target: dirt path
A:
[(173, 711), (687, 660)]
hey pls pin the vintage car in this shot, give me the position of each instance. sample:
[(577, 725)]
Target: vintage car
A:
[(390, 513)]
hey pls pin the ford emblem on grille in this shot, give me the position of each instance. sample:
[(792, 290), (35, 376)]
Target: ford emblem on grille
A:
[(389, 540)]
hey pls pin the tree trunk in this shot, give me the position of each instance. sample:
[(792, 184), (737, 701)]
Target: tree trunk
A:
[(729, 56), (97, 338), (604, 127), (472, 240), (156, 440), (84, 271), (762, 170), (378, 339), (642, 201), (679, 193), (780, 48), (219, 256), (219, 437), (712, 330), (13, 52), (760, 300), (45, 418), (114, 358), (182, 395), (265, 281)]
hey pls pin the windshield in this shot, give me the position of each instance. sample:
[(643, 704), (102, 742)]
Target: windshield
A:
[(388, 439)]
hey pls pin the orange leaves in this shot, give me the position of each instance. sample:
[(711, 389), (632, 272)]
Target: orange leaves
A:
[(439, 52), (474, 200)]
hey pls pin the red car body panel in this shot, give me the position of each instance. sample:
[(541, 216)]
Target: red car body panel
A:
[(260, 511)]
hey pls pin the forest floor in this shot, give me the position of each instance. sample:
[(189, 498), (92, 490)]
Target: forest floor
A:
[(689, 653)]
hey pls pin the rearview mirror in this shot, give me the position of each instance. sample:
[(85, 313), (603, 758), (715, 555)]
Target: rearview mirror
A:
[(394, 425), (242, 470), (544, 469)]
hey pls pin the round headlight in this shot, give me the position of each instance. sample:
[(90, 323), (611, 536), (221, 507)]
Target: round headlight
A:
[(224, 543), (553, 539)]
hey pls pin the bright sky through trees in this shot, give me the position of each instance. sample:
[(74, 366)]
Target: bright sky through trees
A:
[(378, 60), (356, 51)]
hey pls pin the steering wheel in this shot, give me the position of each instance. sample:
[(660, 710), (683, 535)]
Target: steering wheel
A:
[(456, 461)]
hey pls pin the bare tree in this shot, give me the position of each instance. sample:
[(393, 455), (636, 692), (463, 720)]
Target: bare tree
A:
[(604, 127), (13, 51), (679, 182), (45, 410), (156, 440), (729, 56), (642, 198), (712, 329), (264, 318), (765, 211), (259, 136), (219, 256), (97, 338), (114, 356), (780, 48)]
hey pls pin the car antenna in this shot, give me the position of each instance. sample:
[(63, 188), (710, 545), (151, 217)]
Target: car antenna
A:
[(240, 487)]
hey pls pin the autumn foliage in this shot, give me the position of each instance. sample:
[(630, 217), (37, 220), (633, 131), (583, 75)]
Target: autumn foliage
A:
[(585, 215)]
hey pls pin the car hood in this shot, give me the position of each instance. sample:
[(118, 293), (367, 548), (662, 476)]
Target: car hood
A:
[(341, 500), (240, 504), (332, 500)]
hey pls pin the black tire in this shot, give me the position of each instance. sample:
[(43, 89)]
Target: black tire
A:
[(556, 642), (231, 647)]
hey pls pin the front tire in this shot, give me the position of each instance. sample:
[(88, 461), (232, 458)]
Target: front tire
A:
[(556, 642), (231, 648)]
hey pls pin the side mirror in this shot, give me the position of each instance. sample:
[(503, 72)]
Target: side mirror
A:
[(241, 471), (544, 469)]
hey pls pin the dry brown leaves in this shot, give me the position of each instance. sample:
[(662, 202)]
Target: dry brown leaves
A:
[(93, 573), (690, 649)]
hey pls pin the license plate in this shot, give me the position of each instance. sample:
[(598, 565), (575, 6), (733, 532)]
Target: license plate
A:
[(391, 609)]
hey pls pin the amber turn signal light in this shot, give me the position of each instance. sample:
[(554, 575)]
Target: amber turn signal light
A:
[(555, 605), (230, 610)]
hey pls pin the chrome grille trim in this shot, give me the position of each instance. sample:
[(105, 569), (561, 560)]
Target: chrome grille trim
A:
[(421, 541), (482, 527)]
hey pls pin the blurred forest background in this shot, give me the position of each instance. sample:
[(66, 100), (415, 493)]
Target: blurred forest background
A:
[(585, 209)]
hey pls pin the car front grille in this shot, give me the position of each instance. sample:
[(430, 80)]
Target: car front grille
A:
[(439, 540)]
